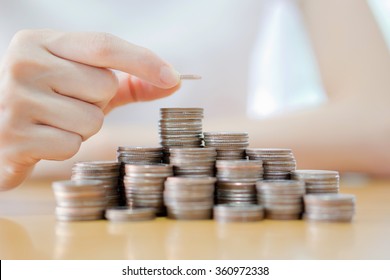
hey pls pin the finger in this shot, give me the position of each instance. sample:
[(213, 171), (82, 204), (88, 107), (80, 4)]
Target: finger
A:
[(67, 114), (132, 89), (108, 51), (83, 82)]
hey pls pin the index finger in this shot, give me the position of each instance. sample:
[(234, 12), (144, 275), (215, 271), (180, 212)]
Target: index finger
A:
[(108, 51)]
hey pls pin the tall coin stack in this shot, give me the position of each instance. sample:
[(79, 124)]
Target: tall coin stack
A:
[(105, 171), (318, 181), (193, 162), (281, 199), (144, 185), (236, 181), (80, 200), (180, 127), (277, 163), (335, 207), (189, 198), (229, 145)]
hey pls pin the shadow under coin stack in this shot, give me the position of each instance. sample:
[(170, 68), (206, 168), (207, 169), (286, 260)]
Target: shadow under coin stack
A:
[(144, 185), (237, 181), (125, 214), (229, 145), (277, 163), (238, 213), (105, 171), (180, 127), (334, 207), (318, 181), (80, 200), (193, 162), (189, 198), (281, 199)]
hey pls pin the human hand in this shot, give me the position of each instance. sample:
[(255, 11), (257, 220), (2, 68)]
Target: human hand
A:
[(55, 88)]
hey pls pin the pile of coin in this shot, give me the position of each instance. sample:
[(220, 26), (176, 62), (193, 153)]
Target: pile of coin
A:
[(193, 161), (334, 207), (139, 155), (80, 200), (126, 214), (318, 181), (278, 163), (144, 185), (181, 127), (238, 213), (281, 199), (229, 145), (189, 198), (236, 181), (105, 171)]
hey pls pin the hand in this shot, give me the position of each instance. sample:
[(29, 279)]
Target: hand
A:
[(55, 88)]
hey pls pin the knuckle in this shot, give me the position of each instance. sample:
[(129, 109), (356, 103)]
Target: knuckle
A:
[(94, 122), (102, 44)]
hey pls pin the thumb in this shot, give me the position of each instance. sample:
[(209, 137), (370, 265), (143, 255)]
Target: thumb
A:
[(132, 89)]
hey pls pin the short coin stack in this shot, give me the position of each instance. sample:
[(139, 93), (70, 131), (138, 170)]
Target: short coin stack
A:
[(189, 198), (236, 181), (80, 200), (180, 127), (193, 161), (335, 207), (144, 185), (238, 213), (318, 181), (139, 155), (229, 145), (278, 163), (125, 214), (281, 199), (105, 171)]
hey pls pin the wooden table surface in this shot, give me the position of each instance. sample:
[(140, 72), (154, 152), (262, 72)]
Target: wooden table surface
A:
[(29, 230)]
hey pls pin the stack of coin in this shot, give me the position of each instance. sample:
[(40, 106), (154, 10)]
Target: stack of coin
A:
[(106, 171), (235, 193), (281, 199), (278, 163), (334, 207), (189, 198), (181, 127), (144, 185), (80, 200), (125, 214), (238, 213), (193, 162), (236, 181), (229, 145), (139, 155), (318, 181)]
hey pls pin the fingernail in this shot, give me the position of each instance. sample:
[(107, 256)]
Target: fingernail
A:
[(169, 76)]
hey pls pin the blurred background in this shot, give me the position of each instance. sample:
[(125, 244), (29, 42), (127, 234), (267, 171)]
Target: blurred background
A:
[(254, 56)]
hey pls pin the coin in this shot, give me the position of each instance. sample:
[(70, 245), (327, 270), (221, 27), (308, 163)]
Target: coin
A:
[(106, 171), (318, 181), (334, 207), (277, 162), (189, 77), (282, 199), (80, 200), (238, 213), (144, 185), (189, 198), (229, 145), (125, 214)]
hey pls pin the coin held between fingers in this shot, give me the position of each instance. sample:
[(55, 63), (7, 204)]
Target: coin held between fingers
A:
[(189, 77)]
